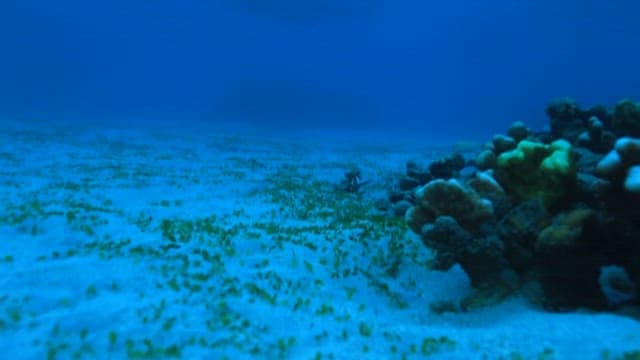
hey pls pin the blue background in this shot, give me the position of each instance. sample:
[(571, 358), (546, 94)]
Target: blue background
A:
[(467, 68)]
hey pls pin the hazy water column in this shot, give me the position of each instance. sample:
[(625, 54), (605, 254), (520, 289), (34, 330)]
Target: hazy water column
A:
[(407, 65)]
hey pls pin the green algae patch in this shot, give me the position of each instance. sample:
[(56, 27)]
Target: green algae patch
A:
[(431, 345)]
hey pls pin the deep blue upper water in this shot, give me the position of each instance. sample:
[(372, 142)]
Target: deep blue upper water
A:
[(467, 68)]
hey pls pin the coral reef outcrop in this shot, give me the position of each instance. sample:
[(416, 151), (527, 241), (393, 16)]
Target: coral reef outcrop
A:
[(557, 211)]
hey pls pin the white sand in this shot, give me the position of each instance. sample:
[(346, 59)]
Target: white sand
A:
[(267, 261)]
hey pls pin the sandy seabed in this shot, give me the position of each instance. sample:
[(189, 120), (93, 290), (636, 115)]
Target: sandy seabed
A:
[(218, 243)]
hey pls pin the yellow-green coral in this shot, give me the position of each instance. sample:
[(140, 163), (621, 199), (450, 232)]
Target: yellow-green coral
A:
[(536, 170), (560, 162)]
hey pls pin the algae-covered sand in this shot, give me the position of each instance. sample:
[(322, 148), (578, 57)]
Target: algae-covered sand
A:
[(214, 243)]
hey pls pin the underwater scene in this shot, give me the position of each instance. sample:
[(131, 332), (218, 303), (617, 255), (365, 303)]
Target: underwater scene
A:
[(320, 179)]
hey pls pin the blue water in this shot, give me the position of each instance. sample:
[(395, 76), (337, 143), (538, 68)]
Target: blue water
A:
[(461, 67)]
